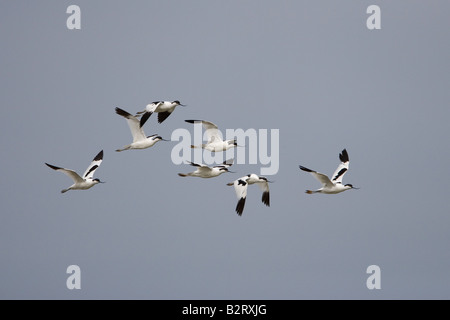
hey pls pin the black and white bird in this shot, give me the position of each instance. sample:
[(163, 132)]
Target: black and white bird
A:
[(140, 140), (204, 171), (163, 108), (215, 142), (240, 186), (333, 185), (87, 180)]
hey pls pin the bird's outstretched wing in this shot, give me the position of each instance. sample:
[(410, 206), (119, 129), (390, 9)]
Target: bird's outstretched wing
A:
[(149, 109), (211, 130), (163, 115), (134, 124), (323, 179), (202, 168), (240, 187), (89, 173), (264, 185), (225, 164), (70, 173), (342, 168)]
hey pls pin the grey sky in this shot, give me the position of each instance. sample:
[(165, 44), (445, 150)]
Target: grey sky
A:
[(311, 69)]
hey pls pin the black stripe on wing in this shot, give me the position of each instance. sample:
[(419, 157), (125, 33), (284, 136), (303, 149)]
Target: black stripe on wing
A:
[(266, 198), (340, 173), (242, 182), (144, 118), (240, 206), (90, 170), (194, 164), (163, 116), (343, 156)]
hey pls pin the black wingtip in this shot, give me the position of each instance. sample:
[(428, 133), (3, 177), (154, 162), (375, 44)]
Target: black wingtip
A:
[(122, 112), (163, 116), (266, 198), (228, 162), (305, 169), (194, 164), (144, 118), (343, 156), (240, 206), (99, 156), (51, 166)]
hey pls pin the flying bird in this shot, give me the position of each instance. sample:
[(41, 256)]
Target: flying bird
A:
[(215, 142), (163, 108), (335, 184), (204, 171), (240, 186), (86, 181), (140, 140)]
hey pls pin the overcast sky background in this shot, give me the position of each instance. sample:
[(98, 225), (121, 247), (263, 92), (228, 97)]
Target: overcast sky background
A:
[(311, 69)]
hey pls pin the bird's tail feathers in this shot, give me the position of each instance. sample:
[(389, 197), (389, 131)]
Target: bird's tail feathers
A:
[(124, 148)]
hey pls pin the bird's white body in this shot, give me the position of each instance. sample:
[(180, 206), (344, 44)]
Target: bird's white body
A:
[(142, 144), (240, 187), (215, 142), (163, 108), (86, 181), (204, 171), (337, 188), (140, 140), (217, 146), (333, 185)]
